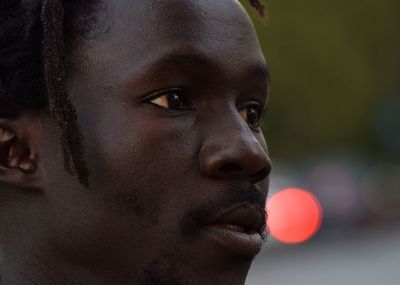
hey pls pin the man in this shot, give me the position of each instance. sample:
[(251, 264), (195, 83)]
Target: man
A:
[(161, 173)]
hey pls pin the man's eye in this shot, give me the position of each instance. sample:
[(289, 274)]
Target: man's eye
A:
[(252, 115), (171, 99)]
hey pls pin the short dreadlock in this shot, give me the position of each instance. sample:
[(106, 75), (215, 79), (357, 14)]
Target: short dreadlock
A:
[(33, 71)]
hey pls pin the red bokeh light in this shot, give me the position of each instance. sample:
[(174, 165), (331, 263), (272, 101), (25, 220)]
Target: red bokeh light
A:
[(294, 215)]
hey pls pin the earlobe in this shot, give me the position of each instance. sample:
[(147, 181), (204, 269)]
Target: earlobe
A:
[(17, 163)]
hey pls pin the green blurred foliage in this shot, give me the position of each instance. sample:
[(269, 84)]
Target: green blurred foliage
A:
[(331, 64)]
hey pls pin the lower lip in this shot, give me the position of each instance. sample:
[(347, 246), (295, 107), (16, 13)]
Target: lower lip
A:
[(241, 243)]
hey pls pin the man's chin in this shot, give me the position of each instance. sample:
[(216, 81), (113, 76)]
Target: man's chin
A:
[(179, 274), (200, 261)]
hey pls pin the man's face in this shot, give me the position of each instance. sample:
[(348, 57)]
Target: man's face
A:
[(168, 95)]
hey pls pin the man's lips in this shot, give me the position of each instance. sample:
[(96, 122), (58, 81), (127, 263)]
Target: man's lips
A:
[(243, 217), (240, 229)]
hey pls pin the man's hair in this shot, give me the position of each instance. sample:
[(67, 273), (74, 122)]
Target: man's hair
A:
[(33, 66)]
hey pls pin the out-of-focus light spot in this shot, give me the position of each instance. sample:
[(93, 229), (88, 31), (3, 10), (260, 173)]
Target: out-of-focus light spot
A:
[(294, 215)]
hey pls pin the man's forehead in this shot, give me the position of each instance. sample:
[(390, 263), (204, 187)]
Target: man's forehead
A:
[(166, 8), (139, 32), (155, 23)]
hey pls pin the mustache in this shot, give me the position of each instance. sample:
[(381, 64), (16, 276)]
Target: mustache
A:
[(194, 219)]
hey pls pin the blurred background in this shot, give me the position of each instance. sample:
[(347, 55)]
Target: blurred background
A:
[(333, 129)]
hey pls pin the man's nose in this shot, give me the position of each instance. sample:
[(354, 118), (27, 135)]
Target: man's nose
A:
[(234, 153)]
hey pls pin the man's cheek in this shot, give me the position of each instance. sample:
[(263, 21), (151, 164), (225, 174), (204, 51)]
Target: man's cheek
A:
[(144, 186)]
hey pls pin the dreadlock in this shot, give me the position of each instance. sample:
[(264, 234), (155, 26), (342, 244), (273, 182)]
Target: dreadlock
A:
[(54, 73), (258, 6), (32, 55)]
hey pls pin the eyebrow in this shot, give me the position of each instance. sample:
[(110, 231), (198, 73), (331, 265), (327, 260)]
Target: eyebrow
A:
[(257, 71)]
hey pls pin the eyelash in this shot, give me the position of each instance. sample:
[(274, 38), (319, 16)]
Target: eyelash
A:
[(258, 112), (184, 105)]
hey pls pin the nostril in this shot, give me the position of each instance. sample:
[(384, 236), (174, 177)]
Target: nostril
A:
[(261, 174), (230, 168)]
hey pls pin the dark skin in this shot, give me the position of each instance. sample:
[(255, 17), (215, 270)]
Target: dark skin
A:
[(167, 96)]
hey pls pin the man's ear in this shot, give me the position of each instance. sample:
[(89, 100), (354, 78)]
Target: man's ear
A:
[(18, 163)]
